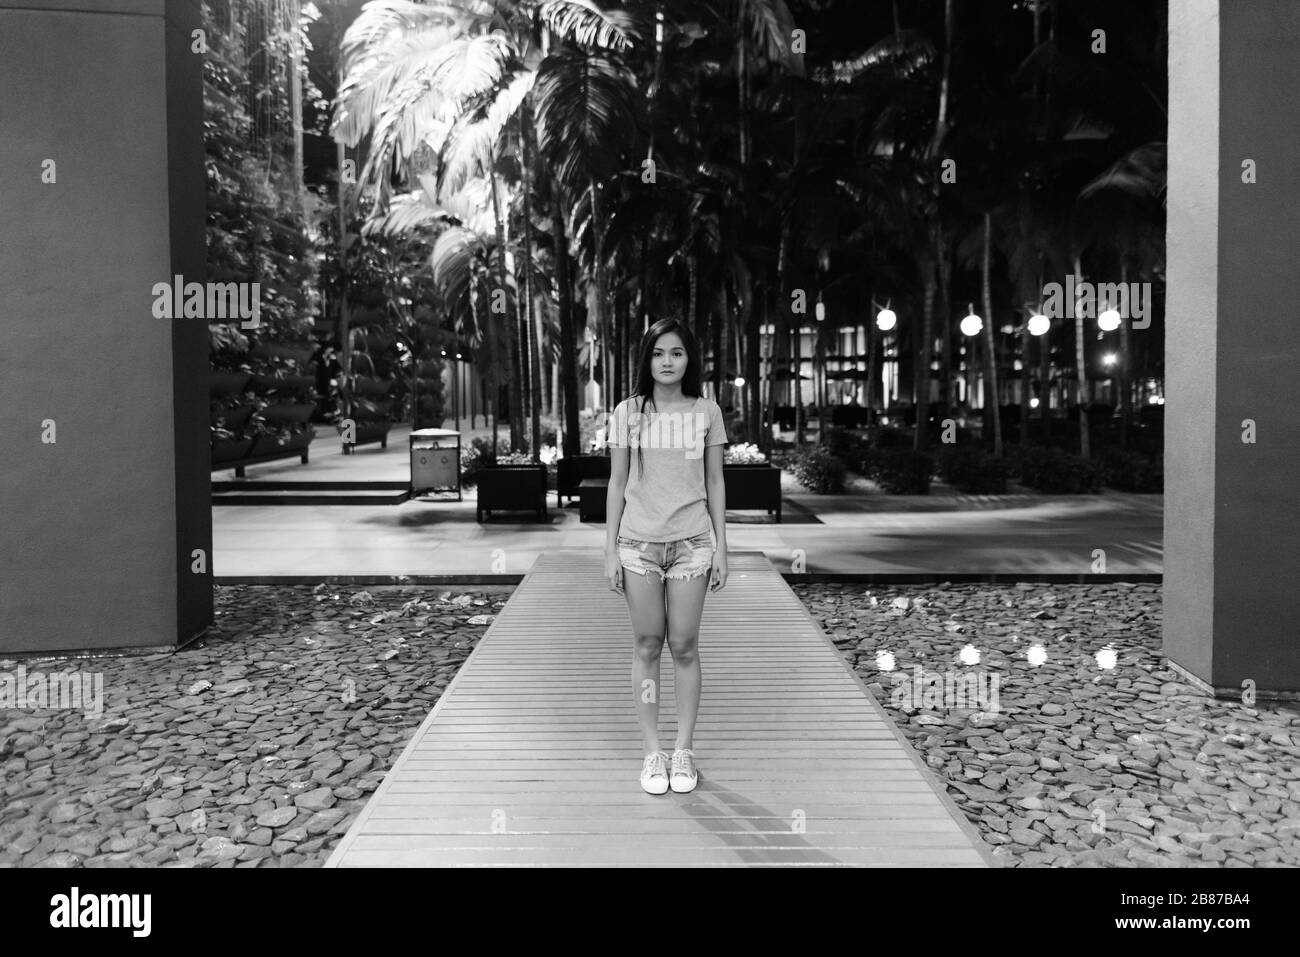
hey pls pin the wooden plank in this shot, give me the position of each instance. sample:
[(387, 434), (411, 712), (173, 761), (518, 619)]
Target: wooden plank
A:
[(739, 816), (531, 755), (648, 854), (873, 830)]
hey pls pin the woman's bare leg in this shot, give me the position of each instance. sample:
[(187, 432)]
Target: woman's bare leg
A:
[(645, 605), (685, 606)]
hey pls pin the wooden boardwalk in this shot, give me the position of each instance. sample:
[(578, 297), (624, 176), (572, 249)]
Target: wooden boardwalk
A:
[(531, 757)]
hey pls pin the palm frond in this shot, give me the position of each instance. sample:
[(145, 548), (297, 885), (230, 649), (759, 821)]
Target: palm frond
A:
[(369, 82), (452, 261), (1140, 172), (472, 66), (772, 26), (584, 115), (380, 20), (906, 53), (589, 26), (471, 144), (407, 213)]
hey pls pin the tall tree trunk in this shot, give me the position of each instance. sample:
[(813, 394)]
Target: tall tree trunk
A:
[(922, 351), (690, 305), (719, 353), (796, 371), (534, 351), (742, 79), (921, 354), (1125, 387), (990, 338), (643, 299), (568, 350), (1026, 295), (945, 320), (1081, 368), (345, 336), (753, 339), (616, 347), (1025, 378), (487, 329), (1044, 369), (511, 326), (819, 382), (295, 105), (602, 317), (791, 325), (777, 348), (870, 390)]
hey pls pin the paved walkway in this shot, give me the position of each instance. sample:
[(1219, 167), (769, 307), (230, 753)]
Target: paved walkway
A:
[(531, 755), (876, 533)]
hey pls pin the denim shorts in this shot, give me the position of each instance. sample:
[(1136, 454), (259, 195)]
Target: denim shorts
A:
[(683, 558)]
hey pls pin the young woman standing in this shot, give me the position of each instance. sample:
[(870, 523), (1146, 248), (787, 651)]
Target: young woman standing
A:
[(666, 526)]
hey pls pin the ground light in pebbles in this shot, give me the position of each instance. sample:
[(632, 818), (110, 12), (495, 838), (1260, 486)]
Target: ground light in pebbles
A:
[(256, 746), (1079, 764)]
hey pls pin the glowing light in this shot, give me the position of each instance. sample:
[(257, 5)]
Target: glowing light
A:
[(886, 320), (1108, 321), (1109, 359), (1039, 324), (885, 660), (1033, 402), (1036, 654), (971, 325), (739, 380), (970, 655)]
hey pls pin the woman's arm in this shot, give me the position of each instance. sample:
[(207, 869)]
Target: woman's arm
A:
[(618, 465), (716, 488), (614, 514)]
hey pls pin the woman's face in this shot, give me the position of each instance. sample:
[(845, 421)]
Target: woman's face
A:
[(668, 359)]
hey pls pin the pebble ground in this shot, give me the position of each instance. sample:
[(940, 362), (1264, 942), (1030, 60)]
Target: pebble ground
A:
[(257, 746), (1097, 752)]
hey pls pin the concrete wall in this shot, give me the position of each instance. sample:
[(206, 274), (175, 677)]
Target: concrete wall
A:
[(1231, 510), (99, 525), (1191, 246)]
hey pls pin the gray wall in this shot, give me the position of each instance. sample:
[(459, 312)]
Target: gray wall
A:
[(1231, 514), (98, 527)]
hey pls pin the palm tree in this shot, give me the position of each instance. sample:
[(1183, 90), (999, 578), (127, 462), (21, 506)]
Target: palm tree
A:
[(448, 80)]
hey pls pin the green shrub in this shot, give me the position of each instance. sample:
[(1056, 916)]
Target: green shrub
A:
[(888, 437), (853, 450), (476, 457), (818, 469), (973, 470), (1055, 471), (904, 471), (1129, 471)]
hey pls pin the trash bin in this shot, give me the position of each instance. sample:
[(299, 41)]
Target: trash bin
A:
[(435, 461)]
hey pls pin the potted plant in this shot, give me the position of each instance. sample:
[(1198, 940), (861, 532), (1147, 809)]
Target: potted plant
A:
[(751, 481), (282, 439), (228, 445), (224, 383), (370, 414), (512, 482)]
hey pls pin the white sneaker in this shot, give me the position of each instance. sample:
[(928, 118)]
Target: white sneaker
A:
[(684, 776), (654, 773)]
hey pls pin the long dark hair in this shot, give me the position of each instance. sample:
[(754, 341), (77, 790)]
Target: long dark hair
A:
[(645, 380)]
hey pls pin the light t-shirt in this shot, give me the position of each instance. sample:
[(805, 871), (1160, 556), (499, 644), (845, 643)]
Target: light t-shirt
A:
[(666, 499)]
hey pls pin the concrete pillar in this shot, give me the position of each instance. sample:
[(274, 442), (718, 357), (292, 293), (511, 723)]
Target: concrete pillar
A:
[(1232, 518), (101, 161)]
